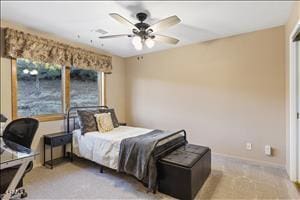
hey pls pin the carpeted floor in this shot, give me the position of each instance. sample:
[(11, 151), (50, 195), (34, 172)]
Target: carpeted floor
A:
[(230, 179)]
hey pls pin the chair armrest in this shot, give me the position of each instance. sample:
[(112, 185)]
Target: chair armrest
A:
[(122, 124)]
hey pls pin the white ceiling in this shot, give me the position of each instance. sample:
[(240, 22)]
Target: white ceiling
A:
[(201, 21)]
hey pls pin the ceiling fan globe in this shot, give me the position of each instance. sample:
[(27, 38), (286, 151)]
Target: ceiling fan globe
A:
[(138, 46), (136, 40), (149, 43)]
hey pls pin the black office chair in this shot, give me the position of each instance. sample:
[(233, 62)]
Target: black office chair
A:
[(20, 131)]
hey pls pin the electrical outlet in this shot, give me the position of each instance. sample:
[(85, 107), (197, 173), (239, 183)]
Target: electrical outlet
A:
[(248, 146), (268, 150)]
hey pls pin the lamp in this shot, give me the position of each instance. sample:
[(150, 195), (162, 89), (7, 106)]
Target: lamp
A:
[(149, 43), (26, 71), (138, 46), (137, 42), (34, 72)]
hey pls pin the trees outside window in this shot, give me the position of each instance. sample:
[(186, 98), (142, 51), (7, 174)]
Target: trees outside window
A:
[(84, 87), (39, 88), (45, 91)]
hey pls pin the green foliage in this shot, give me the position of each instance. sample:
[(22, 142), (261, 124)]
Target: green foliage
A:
[(45, 70), (83, 75), (48, 71)]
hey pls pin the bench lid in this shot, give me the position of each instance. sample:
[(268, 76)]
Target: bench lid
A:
[(186, 155), (194, 149)]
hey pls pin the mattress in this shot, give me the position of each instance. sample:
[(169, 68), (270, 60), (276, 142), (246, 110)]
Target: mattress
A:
[(103, 148)]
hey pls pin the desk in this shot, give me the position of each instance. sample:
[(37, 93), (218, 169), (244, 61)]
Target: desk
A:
[(12, 154)]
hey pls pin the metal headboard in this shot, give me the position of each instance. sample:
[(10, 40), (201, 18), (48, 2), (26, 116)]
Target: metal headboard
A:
[(69, 115), (156, 156)]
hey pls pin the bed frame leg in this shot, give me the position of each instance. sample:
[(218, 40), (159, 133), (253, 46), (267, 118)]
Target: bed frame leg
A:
[(155, 189), (101, 169)]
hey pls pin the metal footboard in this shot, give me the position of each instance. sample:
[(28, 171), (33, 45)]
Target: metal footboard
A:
[(156, 156), (172, 147)]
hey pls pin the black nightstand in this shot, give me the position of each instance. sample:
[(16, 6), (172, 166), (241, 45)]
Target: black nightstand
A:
[(55, 140)]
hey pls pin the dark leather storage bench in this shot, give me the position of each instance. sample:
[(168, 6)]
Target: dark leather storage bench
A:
[(182, 173)]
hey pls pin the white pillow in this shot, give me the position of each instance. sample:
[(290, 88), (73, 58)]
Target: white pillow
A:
[(104, 122)]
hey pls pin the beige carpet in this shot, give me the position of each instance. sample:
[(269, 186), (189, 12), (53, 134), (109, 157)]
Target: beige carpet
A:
[(230, 179)]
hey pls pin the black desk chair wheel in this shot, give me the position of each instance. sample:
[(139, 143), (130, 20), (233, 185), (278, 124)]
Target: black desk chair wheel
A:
[(20, 131)]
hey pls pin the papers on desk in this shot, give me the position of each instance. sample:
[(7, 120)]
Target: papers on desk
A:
[(12, 151)]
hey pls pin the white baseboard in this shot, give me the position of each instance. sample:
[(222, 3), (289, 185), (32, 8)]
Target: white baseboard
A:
[(225, 156), (250, 161)]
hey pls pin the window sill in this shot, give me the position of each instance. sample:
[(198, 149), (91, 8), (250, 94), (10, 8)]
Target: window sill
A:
[(46, 118)]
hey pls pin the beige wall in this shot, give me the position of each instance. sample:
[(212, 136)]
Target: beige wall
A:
[(291, 23), (115, 89), (224, 92)]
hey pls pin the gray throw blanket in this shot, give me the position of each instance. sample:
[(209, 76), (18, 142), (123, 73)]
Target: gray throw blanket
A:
[(135, 156)]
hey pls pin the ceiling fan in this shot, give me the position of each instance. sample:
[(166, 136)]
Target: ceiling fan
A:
[(143, 33)]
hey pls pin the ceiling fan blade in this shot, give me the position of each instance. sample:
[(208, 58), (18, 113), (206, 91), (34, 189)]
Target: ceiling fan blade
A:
[(115, 36), (164, 23), (122, 20), (166, 39)]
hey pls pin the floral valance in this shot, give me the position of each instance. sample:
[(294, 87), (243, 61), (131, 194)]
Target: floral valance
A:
[(24, 45)]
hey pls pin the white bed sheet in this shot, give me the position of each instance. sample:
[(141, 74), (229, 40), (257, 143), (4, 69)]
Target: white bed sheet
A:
[(103, 148)]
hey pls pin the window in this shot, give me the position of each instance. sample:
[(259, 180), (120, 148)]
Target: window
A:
[(46, 91), (84, 87), (39, 88)]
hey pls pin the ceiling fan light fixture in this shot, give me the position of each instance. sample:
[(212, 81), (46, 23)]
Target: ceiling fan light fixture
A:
[(137, 42), (138, 46), (149, 43), (144, 34)]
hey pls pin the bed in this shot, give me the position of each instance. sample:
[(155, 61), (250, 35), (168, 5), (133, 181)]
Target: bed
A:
[(109, 149)]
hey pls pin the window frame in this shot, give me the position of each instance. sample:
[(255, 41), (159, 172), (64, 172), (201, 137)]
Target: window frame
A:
[(66, 97), (100, 83)]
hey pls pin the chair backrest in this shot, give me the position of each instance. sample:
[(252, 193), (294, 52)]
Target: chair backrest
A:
[(21, 131)]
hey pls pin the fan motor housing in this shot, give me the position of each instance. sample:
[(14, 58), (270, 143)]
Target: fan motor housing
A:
[(141, 16), (142, 26)]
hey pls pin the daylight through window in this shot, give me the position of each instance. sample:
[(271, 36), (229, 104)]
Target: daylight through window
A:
[(84, 87), (46, 91), (39, 90)]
